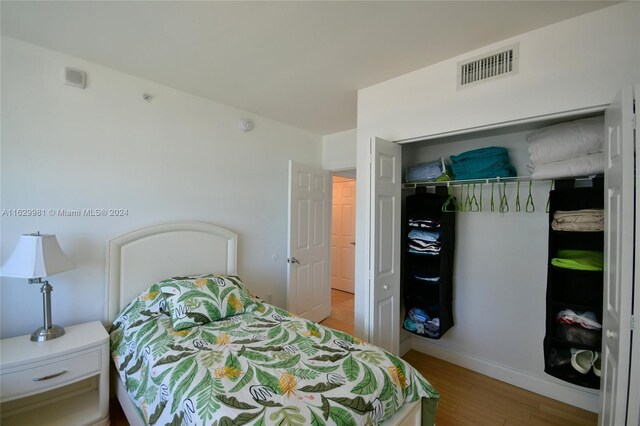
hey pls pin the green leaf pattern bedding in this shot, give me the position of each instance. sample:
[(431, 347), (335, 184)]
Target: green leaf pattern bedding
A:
[(264, 367)]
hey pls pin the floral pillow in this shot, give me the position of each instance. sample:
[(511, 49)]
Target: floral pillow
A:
[(150, 303), (197, 300)]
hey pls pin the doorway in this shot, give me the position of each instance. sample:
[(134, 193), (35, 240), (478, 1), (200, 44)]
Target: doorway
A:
[(342, 251)]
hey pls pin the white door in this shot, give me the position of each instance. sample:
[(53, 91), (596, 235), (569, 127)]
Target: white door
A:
[(308, 272), (343, 234), (633, 410), (619, 258), (384, 264)]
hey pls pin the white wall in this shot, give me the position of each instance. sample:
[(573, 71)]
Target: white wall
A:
[(339, 150), (179, 157), (574, 64), (568, 65)]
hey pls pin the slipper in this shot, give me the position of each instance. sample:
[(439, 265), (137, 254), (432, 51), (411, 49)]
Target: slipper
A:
[(582, 360), (597, 364)]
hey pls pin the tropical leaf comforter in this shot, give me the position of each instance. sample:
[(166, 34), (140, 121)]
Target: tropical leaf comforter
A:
[(264, 367)]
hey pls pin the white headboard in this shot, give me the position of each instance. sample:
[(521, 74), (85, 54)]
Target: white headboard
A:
[(139, 258)]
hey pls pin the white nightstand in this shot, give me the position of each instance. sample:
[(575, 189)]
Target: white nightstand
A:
[(64, 381)]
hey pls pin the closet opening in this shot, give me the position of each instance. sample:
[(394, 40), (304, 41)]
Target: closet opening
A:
[(498, 302), (343, 251)]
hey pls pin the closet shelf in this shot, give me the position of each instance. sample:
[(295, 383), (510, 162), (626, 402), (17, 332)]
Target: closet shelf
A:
[(412, 185)]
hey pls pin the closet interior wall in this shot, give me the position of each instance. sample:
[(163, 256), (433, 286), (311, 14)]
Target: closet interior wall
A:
[(500, 266)]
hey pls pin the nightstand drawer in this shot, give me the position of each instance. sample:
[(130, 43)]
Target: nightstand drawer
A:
[(19, 383)]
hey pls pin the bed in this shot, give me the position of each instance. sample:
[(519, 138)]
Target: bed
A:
[(260, 365)]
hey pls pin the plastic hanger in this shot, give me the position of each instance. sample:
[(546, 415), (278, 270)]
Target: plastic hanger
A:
[(481, 186), (450, 202), (518, 197), (504, 203), (530, 207), (546, 209), (473, 204), (493, 206), (467, 200)]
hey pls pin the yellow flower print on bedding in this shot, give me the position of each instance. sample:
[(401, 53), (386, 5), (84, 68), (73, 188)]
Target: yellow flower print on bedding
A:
[(201, 282), (150, 296), (222, 339), (227, 372), (287, 384), (397, 376), (235, 303)]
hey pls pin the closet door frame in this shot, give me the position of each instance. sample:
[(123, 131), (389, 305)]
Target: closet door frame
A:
[(365, 318)]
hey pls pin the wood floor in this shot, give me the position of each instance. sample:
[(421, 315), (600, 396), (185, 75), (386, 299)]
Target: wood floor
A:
[(470, 398), (466, 397)]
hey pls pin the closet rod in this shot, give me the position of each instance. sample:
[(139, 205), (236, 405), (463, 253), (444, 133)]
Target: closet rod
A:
[(412, 185)]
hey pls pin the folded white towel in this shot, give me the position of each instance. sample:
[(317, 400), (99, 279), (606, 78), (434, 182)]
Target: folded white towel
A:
[(585, 220), (592, 164), (566, 140)]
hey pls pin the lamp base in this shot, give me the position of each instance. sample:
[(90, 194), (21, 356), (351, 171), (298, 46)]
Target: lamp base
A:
[(43, 334)]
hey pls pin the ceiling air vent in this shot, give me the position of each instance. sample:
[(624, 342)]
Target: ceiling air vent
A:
[(489, 66)]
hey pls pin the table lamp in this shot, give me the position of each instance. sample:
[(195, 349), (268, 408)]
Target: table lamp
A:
[(37, 256)]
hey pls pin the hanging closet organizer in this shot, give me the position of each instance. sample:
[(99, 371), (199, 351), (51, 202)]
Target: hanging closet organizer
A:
[(578, 291), (429, 242)]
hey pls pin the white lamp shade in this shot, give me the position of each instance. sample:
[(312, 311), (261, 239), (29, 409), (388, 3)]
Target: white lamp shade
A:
[(36, 256)]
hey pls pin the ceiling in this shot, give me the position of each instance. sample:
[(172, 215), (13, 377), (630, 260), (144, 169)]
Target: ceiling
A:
[(298, 62)]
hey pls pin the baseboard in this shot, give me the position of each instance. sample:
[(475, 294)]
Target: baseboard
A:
[(587, 399), (405, 345)]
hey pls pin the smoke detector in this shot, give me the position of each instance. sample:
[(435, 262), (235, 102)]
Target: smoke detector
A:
[(246, 124)]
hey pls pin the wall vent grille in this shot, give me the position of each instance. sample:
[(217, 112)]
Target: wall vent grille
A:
[(499, 63)]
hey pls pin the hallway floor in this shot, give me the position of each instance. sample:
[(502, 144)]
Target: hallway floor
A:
[(341, 317)]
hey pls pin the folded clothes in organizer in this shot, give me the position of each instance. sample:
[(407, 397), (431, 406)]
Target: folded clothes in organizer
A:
[(418, 315), (424, 223), (425, 172), (419, 234), (422, 247), (424, 242), (427, 279), (591, 164), (586, 319), (579, 327), (418, 321), (581, 260), (565, 141), (431, 328), (579, 335), (586, 220), (482, 163)]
